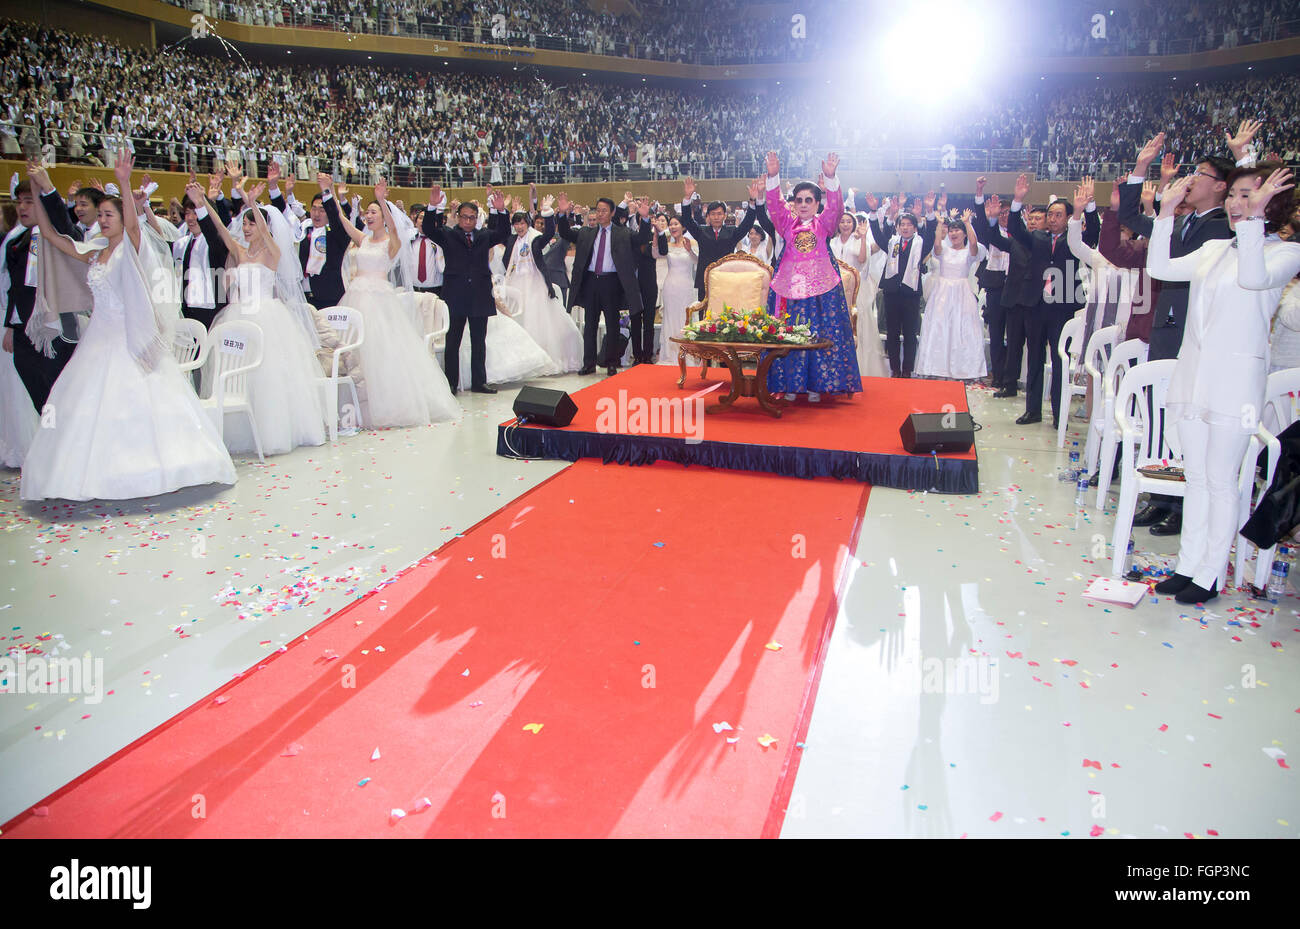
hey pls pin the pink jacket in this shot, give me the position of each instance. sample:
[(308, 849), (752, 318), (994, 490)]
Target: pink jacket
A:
[(807, 266)]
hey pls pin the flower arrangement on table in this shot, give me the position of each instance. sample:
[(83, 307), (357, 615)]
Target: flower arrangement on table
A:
[(757, 325)]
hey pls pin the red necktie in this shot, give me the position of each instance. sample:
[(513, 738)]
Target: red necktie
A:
[(420, 274), (600, 250), (469, 239)]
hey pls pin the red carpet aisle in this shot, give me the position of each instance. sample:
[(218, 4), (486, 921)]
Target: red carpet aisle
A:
[(513, 692)]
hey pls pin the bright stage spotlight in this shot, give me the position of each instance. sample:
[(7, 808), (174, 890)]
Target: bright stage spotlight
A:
[(906, 52)]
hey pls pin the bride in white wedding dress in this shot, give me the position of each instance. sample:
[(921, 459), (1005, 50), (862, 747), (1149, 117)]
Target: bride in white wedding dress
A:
[(403, 385), (286, 401), (540, 314), (124, 421)]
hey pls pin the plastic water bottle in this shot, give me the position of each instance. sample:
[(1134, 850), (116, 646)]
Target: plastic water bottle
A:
[(1081, 486), (1281, 568), (1074, 461), (1128, 558)]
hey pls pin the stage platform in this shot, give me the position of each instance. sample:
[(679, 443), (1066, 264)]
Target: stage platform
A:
[(640, 416)]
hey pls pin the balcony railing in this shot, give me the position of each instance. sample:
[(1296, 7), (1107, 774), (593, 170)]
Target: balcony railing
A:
[(1119, 41), (165, 155)]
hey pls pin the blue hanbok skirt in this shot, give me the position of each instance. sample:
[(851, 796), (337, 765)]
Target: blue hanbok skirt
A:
[(829, 371)]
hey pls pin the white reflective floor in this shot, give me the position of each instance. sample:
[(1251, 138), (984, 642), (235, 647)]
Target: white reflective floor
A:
[(1050, 722), (971, 690)]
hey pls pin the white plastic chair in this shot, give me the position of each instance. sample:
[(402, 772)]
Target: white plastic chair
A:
[(351, 329), (1068, 348), (237, 350), (1096, 358), (1145, 441), (1122, 359), (191, 344), (436, 325), (1278, 413)]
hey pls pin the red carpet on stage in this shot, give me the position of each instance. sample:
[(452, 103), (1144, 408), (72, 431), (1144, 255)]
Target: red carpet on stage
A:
[(856, 438), (564, 669)]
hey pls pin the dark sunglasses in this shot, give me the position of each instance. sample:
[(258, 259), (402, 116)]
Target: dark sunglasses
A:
[(805, 199)]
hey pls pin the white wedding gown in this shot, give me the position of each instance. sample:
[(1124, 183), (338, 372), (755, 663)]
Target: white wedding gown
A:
[(952, 330), (114, 431), (403, 386), (18, 419), (286, 401), (541, 315), (676, 295), (871, 353)]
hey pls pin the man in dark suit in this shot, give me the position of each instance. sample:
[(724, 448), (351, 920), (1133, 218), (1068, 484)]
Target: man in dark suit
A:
[(643, 323), (467, 279), (992, 275), (202, 253), (37, 371), (322, 249), (1204, 222), (553, 258), (715, 240), (1054, 272), (604, 276), (900, 282)]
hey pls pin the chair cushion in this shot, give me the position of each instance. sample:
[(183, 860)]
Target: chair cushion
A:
[(738, 284)]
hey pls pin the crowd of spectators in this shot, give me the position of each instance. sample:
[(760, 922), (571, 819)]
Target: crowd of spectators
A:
[(733, 32), (79, 98)]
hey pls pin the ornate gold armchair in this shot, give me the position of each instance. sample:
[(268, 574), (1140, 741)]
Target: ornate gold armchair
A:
[(852, 281)]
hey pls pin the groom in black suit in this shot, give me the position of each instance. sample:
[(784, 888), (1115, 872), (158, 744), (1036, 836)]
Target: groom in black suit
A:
[(467, 279), (715, 240), (604, 275)]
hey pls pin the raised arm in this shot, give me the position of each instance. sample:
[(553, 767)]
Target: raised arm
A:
[(201, 207), (1257, 270), (51, 235), (1074, 236), (1091, 218), (260, 221), (336, 217), (688, 214), (562, 207), (50, 197), (217, 249), (1016, 221), (130, 223), (500, 219), (1159, 264)]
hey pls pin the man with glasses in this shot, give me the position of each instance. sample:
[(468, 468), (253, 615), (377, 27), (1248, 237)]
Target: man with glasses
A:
[(1204, 222)]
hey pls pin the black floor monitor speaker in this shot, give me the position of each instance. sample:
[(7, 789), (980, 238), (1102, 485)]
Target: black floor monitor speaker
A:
[(548, 407), (924, 433)]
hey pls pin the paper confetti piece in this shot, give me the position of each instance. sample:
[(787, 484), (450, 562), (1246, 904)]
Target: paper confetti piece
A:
[(722, 727), (292, 750), (395, 815), (766, 740), (534, 728), (995, 817), (220, 700), (773, 646), (1092, 764), (421, 805), (1096, 831), (363, 782), (375, 755)]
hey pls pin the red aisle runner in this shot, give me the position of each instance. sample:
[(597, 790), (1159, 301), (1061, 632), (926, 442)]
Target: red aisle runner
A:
[(559, 671)]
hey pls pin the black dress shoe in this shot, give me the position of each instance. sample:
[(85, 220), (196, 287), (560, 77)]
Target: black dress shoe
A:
[(1195, 594), (1095, 479), (1173, 584), (1056, 423), (1170, 525), (1027, 419), (611, 370), (1004, 393), (1151, 514), (587, 369), (482, 389)]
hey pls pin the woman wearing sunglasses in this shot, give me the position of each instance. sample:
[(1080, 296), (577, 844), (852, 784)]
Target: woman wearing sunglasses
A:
[(807, 287)]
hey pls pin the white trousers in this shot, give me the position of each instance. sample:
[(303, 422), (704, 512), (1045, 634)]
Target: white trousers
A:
[(1211, 463)]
